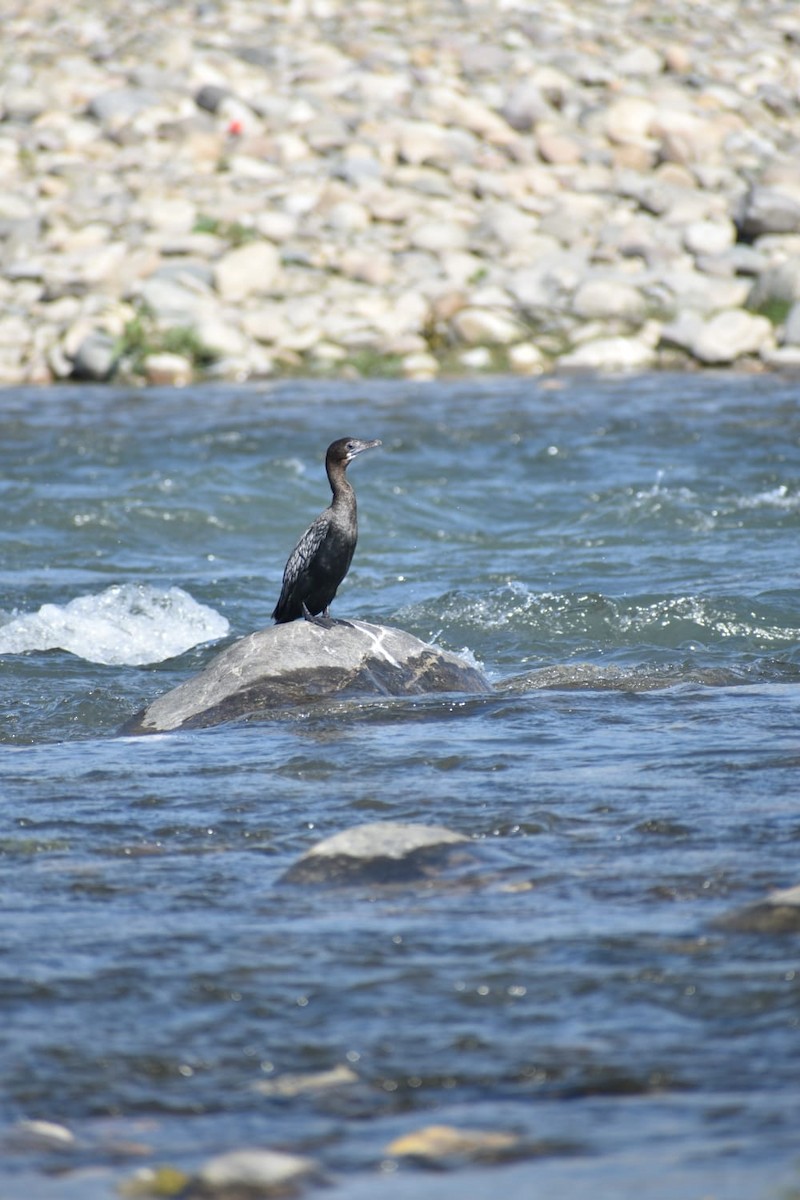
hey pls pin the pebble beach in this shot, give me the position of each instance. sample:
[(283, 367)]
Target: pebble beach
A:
[(234, 190)]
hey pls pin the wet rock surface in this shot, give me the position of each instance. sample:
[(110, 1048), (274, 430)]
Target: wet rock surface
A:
[(779, 912), (379, 852), (303, 662), (239, 1174), (317, 186)]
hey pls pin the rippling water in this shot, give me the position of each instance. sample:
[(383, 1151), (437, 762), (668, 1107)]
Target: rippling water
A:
[(621, 558)]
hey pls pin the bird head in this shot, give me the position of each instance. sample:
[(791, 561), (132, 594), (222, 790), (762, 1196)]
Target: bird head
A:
[(346, 449)]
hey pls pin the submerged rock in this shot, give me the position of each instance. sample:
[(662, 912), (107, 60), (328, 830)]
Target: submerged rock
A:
[(299, 1084), (779, 912), (612, 678), (41, 1135), (302, 662), (378, 852), (445, 1145)]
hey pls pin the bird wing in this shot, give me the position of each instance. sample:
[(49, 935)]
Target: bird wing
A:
[(306, 548), (297, 563)]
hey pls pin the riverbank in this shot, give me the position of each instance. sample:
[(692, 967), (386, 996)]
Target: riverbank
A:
[(237, 191)]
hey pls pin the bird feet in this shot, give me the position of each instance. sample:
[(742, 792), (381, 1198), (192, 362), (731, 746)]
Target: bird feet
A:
[(325, 621)]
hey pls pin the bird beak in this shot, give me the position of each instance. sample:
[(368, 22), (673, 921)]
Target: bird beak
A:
[(359, 447)]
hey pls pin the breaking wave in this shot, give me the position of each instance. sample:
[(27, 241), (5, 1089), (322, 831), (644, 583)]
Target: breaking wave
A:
[(130, 624)]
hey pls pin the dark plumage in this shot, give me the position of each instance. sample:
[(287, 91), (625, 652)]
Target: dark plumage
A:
[(322, 557)]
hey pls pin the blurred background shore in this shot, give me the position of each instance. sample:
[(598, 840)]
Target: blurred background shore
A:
[(241, 190)]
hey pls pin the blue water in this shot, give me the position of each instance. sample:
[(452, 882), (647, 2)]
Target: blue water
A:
[(620, 556)]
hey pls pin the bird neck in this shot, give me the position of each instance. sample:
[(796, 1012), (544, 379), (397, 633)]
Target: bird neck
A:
[(343, 494)]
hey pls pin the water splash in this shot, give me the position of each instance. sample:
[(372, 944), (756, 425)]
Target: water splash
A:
[(614, 621), (128, 624), (781, 498)]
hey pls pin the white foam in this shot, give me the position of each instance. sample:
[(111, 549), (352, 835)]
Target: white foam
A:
[(127, 624), (778, 497)]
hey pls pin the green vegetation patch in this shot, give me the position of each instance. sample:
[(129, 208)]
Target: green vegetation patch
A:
[(774, 309), (142, 337), (233, 232)]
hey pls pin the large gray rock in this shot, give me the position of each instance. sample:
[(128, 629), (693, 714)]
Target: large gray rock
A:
[(302, 661), (379, 852)]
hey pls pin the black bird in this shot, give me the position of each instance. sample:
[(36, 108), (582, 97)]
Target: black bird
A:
[(322, 557)]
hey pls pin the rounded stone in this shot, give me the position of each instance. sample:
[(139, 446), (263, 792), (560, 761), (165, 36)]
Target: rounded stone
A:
[(443, 1145), (120, 105), (628, 119), (640, 60), (254, 1172), (709, 237), (439, 237), (526, 358), (684, 137), (730, 335), (381, 852), (210, 96), (557, 146), (248, 270), (770, 210), (610, 354), (677, 58), (167, 370), (96, 357), (22, 104), (525, 105), (421, 142), (348, 217), (477, 359), (608, 299), (420, 365), (486, 327), (179, 301), (276, 226)]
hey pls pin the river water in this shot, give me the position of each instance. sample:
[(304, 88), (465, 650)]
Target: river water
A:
[(632, 544)]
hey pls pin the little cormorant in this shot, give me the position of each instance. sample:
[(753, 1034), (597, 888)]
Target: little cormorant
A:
[(322, 557)]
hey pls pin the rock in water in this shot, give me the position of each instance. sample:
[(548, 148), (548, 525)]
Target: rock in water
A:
[(251, 1173), (379, 852), (778, 912), (301, 661)]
